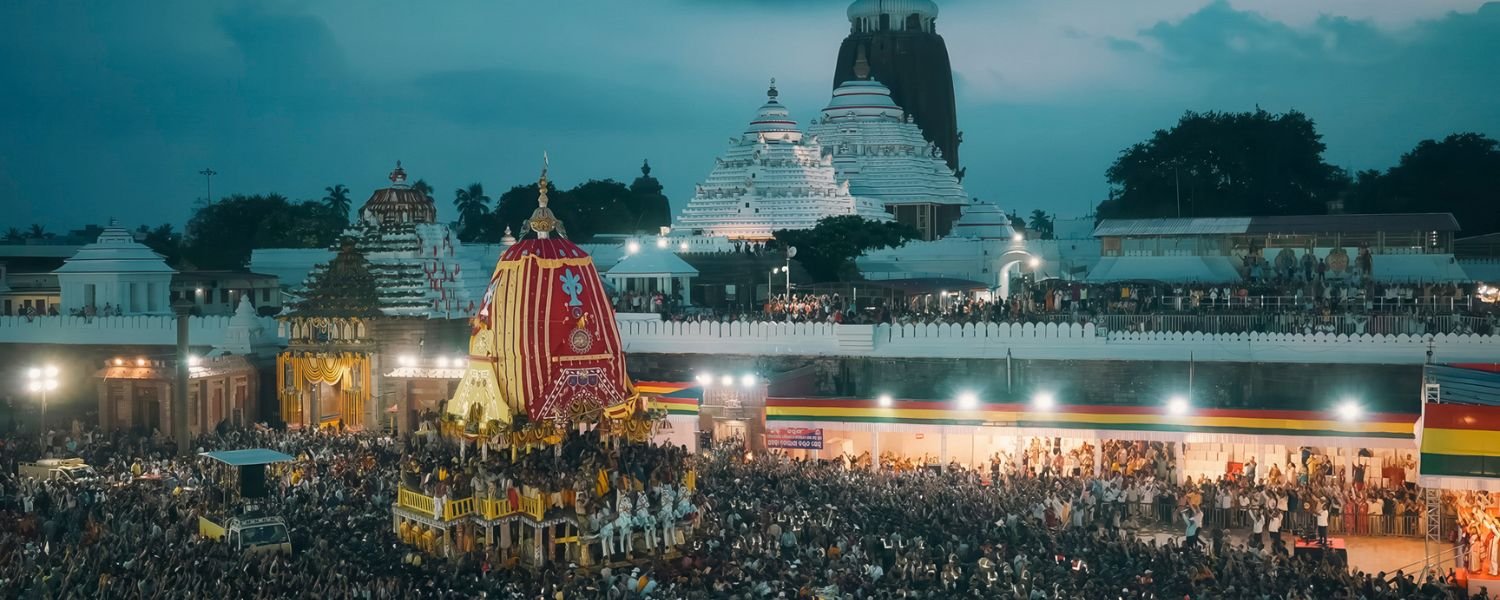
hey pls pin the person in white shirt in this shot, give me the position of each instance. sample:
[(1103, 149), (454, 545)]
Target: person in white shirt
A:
[(1323, 523), (1274, 524), (1257, 527)]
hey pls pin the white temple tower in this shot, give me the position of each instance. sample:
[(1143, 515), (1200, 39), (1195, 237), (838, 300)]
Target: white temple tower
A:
[(771, 178)]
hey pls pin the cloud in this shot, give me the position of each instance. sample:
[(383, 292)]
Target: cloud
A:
[(115, 109)]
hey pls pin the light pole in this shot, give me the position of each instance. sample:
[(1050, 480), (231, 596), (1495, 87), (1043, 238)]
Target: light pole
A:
[(40, 380), (208, 185), (790, 252)]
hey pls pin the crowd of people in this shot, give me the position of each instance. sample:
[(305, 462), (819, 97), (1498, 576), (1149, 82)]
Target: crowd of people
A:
[(767, 527), (1306, 307)]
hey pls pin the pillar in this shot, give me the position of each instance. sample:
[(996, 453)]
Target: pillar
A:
[(875, 450), (180, 390)]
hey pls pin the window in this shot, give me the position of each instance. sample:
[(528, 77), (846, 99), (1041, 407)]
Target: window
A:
[(265, 294), (223, 295), (89, 290), (152, 289), (134, 301)]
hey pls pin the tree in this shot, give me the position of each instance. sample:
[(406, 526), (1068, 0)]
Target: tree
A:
[(162, 240), (1041, 223), (828, 250), (473, 206), (221, 235), (421, 185), (37, 232), (1459, 175), (1225, 164), (338, 200), (14, 235)]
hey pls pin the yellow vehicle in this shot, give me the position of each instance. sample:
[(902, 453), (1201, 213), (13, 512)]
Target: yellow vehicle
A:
[(232, 512), (67, 469), (250, 535)]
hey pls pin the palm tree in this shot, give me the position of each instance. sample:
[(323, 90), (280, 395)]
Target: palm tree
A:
[(14, 235), (472, 206), (1041, 223), (37, 231), (338, 200), (421, 185)]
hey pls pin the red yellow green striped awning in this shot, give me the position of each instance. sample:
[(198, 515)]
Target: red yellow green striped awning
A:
[(1129, 418), (1460, 440), (677, 398)]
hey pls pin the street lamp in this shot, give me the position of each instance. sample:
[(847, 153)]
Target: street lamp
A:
[(1177, 405), (968, 401), (884, 400), (790, 252), (1350, 410), (1043, 401), (40, 381)]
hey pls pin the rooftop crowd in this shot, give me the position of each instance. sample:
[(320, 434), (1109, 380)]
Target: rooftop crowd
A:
[(770, 528)]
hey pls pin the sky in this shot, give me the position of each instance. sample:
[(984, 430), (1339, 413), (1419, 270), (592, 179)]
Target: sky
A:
[(110, 109)]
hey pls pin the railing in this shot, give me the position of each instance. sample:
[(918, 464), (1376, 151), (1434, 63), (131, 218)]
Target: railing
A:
[(415, 502), (496, 508), (1293, 323), (456, 509), (533, 506), (1343, 524)]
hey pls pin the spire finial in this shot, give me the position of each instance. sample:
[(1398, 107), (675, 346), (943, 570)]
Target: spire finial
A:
[(541, 183), (645, 167), (771, 94), (398, 176), (861, 65), (542, 221)]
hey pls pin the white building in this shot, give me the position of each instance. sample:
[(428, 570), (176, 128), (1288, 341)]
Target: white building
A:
[(881, 152), (115, 273), (771, 178)]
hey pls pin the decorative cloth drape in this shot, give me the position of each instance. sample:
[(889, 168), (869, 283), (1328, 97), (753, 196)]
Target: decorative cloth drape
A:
[(299, 373)]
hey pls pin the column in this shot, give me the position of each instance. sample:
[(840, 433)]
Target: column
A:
[(875, 449)]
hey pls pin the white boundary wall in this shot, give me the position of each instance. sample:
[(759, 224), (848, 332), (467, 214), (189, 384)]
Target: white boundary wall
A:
[(1044, 341), (133, 330)]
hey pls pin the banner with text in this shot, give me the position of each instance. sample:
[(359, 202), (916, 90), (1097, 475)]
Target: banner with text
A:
[(799, 438)]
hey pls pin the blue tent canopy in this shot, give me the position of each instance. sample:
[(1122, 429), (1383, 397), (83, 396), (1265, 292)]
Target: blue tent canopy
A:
[(248, 457)]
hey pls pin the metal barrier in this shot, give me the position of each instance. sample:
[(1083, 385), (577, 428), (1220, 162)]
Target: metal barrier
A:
[(495, 508), (1288, 323), (1409, 525)]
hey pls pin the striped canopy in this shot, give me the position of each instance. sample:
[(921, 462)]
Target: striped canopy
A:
[(544, 342)]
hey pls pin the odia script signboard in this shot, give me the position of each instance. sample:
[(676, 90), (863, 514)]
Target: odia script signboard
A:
[(800, 438)]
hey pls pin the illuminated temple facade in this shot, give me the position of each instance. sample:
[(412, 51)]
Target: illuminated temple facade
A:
[(361, 334), (878, 148), (772, 177)]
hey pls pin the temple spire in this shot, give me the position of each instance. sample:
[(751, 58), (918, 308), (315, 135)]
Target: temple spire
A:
[(861, 65), (771, 93), (542, 221), (398, 176)]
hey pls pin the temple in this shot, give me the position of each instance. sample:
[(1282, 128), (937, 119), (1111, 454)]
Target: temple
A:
[(361, 326), (904, 51), (877, 147), (771, 178)]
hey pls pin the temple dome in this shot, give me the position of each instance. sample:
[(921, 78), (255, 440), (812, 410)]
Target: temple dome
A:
[(399, 203), (868, 98), (772, 121), (983, 221)]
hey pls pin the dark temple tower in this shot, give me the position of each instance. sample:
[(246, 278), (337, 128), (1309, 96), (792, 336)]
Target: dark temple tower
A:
[(900, 41)]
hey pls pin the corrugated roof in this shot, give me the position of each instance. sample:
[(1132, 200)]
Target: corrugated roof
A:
[(1297, 224), (1354, 223), (1135, 227)]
